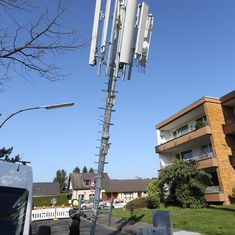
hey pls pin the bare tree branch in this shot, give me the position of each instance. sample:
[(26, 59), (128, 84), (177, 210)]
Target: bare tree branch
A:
[(30, 47)]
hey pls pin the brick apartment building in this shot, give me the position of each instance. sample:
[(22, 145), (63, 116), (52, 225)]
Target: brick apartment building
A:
[(203, 131)]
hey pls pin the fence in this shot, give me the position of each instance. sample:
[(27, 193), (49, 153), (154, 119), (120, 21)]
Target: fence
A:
[(52, 213)]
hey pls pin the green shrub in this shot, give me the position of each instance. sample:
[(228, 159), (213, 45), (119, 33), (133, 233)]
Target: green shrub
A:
[(136, 203), (187, 184), (232, 196), (153, 202), (200, 124), (154, 194), (233, 192)]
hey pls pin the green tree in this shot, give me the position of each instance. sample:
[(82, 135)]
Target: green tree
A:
[(154, 194), (91, 170), (76, 170), (5, 155), (84, 170), (62, 178), (186, 183)]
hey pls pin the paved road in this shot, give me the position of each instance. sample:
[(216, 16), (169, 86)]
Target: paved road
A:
[(61, 227), (120, 227)]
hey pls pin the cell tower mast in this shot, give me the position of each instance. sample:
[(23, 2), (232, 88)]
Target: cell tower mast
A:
[(130, 38)]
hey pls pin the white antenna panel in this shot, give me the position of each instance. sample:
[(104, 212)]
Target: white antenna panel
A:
[(93, 49), (128, 31), (141, 28), (147, 36), (105, 27)]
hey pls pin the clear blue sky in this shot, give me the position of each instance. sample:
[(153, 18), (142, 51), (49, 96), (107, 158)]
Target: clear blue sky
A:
[(192, 55)]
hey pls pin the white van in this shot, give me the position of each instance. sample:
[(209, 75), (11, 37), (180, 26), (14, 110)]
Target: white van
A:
[(16, 181)]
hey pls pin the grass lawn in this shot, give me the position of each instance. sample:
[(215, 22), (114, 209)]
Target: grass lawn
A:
[(215, 220)]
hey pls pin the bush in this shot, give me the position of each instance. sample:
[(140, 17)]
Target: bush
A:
[(153, 202), (200, 124), (232, 196), (154, 194), (233, 192), (187, 184), (137, 203)]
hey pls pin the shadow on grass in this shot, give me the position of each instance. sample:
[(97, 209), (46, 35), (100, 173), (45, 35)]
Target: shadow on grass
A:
[(232, 210), (126, 221)]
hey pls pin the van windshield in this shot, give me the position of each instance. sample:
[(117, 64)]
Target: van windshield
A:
[(13, 203)]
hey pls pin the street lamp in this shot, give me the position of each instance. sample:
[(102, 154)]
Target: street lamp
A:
[(47, 107)]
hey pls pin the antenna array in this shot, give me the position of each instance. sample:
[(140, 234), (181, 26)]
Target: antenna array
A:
[(129, 42), (130, 36)]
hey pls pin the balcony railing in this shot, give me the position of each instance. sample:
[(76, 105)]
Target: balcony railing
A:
[(195, 127), (212, 189), (202, 156), (229, 121)]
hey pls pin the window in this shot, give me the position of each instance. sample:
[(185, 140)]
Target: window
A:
[(13, 206), (206, 148), (187, 154), (181, 131), (214, 176), (178, 156)]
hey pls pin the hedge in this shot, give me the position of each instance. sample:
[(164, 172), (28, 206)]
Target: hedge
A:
[(46, 200)]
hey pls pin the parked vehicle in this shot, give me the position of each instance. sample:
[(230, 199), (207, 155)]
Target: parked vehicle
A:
[(16, 182), (103, 204), (119, 204), (86, 205)]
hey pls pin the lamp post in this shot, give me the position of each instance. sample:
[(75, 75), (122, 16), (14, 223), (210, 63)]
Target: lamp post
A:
[(47, 107)]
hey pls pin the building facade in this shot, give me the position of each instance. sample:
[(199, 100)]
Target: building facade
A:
[(119, 190), (203, 131), (81, 185), (126, 189)]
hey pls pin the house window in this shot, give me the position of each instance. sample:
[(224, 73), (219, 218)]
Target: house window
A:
[(187, 154), (178, 156), (214, 176), (87, 182), (206, 148), (181, 131), (128, 196)]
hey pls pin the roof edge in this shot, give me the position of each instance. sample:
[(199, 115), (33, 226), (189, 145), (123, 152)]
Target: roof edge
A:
[(188, 109)]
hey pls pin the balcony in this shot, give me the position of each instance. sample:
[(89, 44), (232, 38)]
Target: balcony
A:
[(213, 189), (213, 194), (202, 156), (205, 160), (188, 137), (229, 127)]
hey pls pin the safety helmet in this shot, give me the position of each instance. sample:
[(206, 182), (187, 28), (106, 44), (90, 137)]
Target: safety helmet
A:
[(75, 203)]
